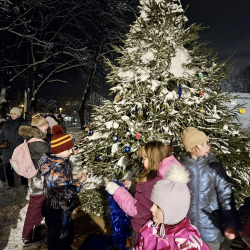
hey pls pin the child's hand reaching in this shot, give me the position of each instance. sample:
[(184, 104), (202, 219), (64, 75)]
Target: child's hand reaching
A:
[(79, 175), (75, 151), (83, 177), (127, 183), (230, 233), (106, 181)]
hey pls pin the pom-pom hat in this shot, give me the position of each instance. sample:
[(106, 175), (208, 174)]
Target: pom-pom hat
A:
[(172, 195), (60, 141), (192, 137)]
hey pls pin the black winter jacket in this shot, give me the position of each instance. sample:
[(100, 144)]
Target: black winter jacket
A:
[(212, 207), (37, 150), (10, 132)]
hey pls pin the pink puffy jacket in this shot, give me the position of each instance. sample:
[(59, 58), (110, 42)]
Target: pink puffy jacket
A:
[(181, 236), (138, 207)]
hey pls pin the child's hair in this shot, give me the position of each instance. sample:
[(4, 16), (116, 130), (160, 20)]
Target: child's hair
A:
[(38, 120), (195, 148), (156, 151)]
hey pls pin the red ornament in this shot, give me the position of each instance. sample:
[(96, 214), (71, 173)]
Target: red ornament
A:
[(138, 136), (201, 92), (170, 148)]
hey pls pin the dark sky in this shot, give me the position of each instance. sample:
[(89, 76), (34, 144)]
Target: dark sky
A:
[(229, 26), (228, 32)]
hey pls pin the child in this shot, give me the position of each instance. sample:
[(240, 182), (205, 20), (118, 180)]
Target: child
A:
[(60, 189), (211, 190), (170, 228), (156, 161), (38, 130)]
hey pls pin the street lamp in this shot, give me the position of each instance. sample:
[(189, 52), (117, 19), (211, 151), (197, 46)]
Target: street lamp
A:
[(60, 110)]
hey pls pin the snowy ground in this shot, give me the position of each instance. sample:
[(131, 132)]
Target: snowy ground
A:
[(14, 203)]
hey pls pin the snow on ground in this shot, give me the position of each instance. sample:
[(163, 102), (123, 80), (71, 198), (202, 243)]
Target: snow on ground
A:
[(14, 204)]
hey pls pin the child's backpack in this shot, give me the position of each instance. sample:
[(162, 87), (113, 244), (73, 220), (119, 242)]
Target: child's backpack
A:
[(21, 160)]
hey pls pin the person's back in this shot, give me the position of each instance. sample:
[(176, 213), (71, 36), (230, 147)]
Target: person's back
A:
[(35, 135), (37, 150), (212, 204)]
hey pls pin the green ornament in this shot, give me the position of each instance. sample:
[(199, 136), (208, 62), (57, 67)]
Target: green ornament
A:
[(200, 75)]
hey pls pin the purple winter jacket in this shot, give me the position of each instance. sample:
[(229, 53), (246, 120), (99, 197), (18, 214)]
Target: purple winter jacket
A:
[(181, 236), (138, 207)]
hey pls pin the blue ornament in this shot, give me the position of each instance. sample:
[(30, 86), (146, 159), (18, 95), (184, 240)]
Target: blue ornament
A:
[(73, 139), (75, 147), (127, 149), (137, 109), (180, 90), (115, 138), (99, 158), (91, 132)]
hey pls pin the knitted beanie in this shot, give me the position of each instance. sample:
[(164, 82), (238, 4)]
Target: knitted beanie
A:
[(60, 141), (16, 111), (192, 137), (172, 195)]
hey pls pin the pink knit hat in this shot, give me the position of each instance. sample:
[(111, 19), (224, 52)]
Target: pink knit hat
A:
[(172, 195)]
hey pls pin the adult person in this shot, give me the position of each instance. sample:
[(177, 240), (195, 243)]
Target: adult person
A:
[(10, 132), (51, 115), (61, 122), (52, 121)]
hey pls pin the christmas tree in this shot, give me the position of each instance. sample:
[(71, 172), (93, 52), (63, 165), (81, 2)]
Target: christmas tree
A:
[(165, 80)]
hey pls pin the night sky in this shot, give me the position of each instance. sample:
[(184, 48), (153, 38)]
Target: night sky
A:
[(228, 32), (229, 26)]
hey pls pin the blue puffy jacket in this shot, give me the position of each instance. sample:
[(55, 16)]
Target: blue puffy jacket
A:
[(212, 207)]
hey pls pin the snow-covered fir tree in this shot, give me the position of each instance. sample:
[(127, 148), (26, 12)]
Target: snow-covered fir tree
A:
[(165, 80)]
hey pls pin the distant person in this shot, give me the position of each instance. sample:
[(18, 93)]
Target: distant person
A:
[(61, 122), (51, 114), (10, 139), (37, 130), (52, 121)]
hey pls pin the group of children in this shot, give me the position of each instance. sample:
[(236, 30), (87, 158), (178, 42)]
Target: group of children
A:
[(191, 200), (186, 204), (53, 189)]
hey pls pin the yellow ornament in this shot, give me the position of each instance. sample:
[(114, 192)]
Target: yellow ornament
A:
[(242, 111), (202, 111)]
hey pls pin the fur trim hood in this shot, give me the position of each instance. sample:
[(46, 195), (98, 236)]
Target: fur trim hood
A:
[(29, 132)]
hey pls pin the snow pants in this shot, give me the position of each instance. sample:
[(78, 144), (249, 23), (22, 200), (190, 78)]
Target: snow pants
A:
[(53, 220), (33, 216)]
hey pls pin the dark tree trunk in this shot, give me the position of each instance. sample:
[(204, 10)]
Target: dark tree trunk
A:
[(4, 84), (90, 79)]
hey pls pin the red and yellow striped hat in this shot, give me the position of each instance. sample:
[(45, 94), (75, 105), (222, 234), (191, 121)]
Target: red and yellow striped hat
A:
[(60, 141)]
